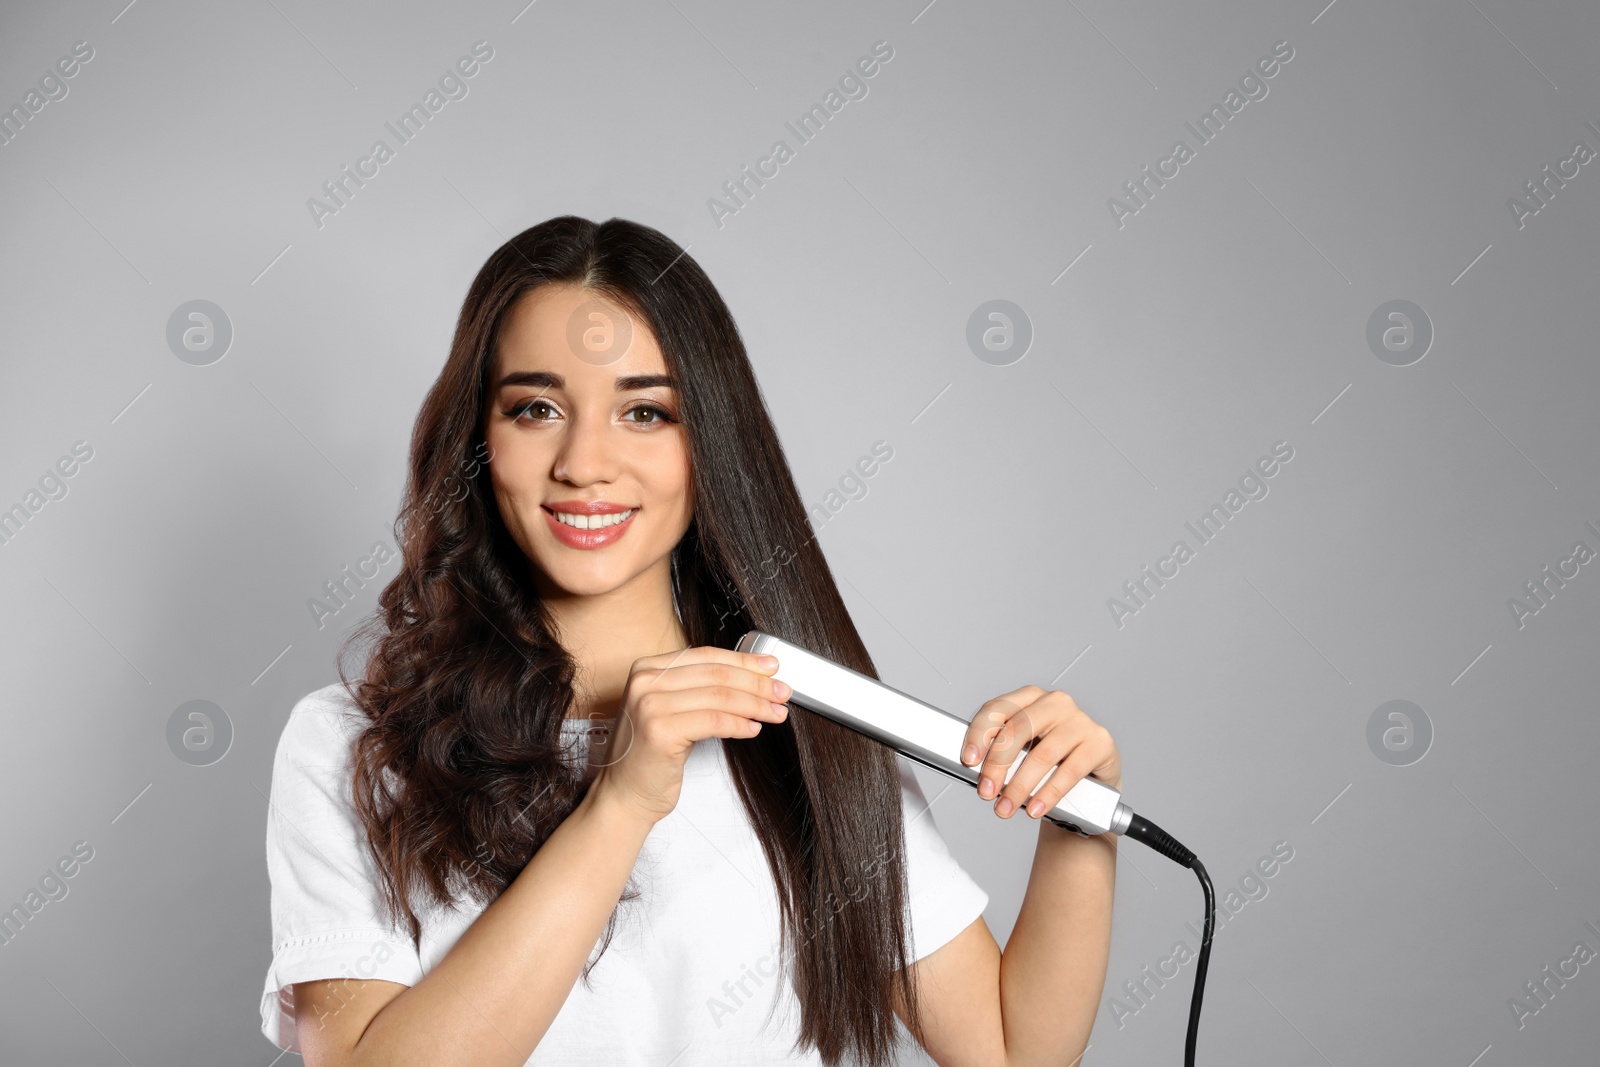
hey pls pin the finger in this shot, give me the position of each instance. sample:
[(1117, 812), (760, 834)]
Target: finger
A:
[(654, 682), (718, 722), (1059, 783), (1035, 767), (658, 726), (1091, 751), (761, 663), (1005, 749), (990, 718), (669, 703), (731, 675)]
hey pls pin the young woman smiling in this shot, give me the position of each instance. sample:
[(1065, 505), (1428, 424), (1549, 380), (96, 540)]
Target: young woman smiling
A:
[(450, 838)]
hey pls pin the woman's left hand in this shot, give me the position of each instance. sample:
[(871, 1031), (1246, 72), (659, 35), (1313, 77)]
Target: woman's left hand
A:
[(1059, 733)]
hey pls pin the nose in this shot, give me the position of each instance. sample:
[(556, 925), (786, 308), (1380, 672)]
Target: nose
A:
[(585, 454)]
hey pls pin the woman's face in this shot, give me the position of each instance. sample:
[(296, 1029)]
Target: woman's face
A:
[(578, 419)]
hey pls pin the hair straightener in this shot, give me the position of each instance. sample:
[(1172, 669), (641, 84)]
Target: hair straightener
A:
[(934, 738)]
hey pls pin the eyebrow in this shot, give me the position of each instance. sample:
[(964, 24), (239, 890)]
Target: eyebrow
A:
[(550, 380)]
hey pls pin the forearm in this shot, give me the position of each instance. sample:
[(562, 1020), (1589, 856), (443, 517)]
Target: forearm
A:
[(1053, 968), (490, 1000)]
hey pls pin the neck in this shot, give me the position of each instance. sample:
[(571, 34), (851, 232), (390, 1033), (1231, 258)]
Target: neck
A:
[(606, 632)]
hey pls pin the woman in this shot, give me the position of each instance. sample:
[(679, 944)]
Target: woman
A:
[(597, 508)]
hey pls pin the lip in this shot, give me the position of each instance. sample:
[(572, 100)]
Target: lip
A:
[(573, 537), (585, 507)]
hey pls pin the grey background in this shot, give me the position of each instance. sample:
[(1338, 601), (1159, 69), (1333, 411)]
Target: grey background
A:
[(1230, 313)]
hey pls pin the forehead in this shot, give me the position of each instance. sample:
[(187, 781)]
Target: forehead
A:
[(580, 333)]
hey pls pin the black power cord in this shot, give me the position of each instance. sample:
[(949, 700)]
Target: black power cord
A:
[(1143, 830)]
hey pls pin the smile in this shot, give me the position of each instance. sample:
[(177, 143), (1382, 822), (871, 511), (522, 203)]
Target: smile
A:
[(594, 522), (582, 531)]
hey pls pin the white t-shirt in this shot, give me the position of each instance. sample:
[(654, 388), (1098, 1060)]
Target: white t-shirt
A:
[(691, 972)]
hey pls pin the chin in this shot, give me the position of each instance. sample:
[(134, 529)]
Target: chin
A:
[(591, 580)]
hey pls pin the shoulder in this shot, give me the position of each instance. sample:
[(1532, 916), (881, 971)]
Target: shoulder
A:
[(929, 857), (321, 726), (314, 752), (311, 803), (944, 896)]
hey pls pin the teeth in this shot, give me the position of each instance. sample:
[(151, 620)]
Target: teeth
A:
[(593, 522)]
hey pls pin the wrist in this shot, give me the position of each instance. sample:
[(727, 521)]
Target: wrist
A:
[(1072, 841), (1114, 782), (619, 817)]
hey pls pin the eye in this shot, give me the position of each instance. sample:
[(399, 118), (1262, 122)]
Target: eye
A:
[(527, 407), (658, 414)]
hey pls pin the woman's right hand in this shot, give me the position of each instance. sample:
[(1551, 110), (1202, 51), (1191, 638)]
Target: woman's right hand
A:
[(671, 701)]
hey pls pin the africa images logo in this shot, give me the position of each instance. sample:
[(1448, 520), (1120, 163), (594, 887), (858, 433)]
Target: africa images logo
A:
[(852, 86), (1252, 86), (453, 85), (1252, 486)]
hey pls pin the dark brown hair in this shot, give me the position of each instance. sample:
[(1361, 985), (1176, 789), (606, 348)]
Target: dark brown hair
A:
[(460, 774)]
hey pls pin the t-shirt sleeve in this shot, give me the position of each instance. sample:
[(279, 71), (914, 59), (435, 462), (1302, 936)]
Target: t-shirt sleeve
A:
[(326, 916), (945, 899)]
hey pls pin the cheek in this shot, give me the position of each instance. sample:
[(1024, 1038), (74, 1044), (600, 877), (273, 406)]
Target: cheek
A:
[(514, 475), (664, 476), (682, 477), (505, 499), (519, 459), (502, 452), (661, 464)]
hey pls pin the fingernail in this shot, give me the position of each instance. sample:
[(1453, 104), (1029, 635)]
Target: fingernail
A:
[(985, 788), (782, 689), (1003, 808), (1035, 808), (769, 661), (969, 754)]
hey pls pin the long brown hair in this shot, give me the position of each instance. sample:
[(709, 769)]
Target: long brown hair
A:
[(460, 775)]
